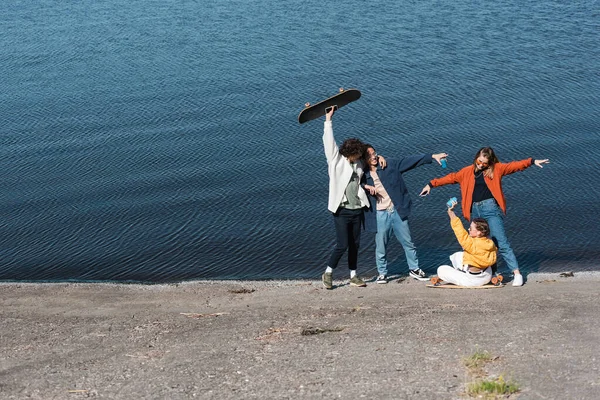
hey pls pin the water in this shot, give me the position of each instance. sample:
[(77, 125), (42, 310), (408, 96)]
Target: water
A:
[(157, 141)]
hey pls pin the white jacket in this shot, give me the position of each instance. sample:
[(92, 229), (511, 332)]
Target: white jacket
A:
[(340, 171)]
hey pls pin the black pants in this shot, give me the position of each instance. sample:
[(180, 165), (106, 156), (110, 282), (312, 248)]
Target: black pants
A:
[(347, 231)]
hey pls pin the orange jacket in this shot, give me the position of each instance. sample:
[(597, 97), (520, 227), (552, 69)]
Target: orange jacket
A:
[(466, 178)]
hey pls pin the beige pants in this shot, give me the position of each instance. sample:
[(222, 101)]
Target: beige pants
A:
[(459, 274)]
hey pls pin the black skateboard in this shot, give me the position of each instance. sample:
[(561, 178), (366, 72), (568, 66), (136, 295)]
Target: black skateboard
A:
[(314, 111)]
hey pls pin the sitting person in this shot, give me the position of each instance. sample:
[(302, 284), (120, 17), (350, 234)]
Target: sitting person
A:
[(471, 267)]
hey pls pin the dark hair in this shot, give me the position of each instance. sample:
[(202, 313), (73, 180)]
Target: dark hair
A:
[(352, 147), (482, 226), (365, 156)]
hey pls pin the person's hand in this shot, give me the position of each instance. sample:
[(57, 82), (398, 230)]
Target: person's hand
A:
[(454, 203), (451, 213), (329, 114), (540, 162), (438, 157), (381, 162), (371, 189), (425, 191)]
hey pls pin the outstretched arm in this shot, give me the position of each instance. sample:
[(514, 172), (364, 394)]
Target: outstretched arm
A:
[(407, 163), (449, 179), (439, 156), (516, 166)]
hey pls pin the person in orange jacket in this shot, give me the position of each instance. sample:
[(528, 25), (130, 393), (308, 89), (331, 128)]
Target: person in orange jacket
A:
[(482, 196)]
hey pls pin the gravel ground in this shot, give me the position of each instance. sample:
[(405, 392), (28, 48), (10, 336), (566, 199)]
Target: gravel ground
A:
[(294, 339)]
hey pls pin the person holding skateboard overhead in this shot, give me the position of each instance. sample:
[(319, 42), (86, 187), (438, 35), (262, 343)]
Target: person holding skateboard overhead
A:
[(391, 206), (472, 266), (482, 196), (347, 199)]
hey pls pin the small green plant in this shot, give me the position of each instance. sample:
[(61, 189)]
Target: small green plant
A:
[(477, 360), (492, 388), (484, 386)]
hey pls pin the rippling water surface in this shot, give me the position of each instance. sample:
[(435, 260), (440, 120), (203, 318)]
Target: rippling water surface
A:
[(157, 141)]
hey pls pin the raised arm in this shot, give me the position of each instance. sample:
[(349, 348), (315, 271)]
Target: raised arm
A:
[(451, 212), (465, 241), (331, 148)]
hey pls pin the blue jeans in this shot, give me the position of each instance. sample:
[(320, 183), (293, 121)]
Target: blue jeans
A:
[(491, 212), (389, 223)]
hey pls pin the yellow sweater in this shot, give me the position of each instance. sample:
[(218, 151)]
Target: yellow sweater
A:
[(479, 252)]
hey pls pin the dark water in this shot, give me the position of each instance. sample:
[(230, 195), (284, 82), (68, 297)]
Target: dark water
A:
[(157, 141)]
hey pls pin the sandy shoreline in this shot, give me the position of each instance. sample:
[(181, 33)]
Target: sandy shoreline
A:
[(339, 279), (244, 339)]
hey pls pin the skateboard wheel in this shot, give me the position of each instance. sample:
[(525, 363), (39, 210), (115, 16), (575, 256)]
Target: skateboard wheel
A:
[(435, 281), (341, 89), (497, 280), (306, 104)]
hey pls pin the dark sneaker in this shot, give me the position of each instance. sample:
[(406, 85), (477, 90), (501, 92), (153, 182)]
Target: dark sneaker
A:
[(327, 281), (381, 279), (419, 274), (356, 281)]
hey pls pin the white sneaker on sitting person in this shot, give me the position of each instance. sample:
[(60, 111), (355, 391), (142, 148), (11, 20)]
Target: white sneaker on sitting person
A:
[(518, 280)]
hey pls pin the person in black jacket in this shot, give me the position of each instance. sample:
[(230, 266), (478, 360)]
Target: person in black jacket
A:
[(391, 206)]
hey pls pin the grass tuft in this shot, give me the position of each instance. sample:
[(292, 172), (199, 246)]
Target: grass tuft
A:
[(492, 388), (477, 360)]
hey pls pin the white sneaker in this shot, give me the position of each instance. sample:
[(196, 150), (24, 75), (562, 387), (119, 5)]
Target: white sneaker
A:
[(518, 280)]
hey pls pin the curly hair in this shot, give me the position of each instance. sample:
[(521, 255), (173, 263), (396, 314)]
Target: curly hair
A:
[(482, 226), (352, 147)]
